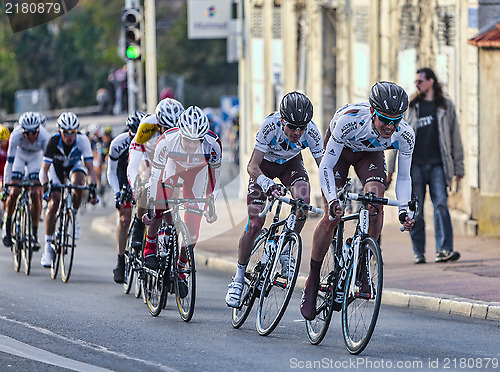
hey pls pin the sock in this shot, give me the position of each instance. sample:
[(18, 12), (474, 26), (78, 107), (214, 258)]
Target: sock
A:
[(240, 273), (35, 231), (48, 241), (150, 246)]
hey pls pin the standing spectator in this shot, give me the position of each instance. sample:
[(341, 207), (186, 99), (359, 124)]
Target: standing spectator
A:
[(438, 157)]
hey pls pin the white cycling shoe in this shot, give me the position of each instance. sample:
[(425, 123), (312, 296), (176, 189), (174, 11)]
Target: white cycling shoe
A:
[(233, 295), (47, 257)]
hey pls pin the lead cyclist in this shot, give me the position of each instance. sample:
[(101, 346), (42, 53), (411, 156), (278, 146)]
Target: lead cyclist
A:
[(358, 135)]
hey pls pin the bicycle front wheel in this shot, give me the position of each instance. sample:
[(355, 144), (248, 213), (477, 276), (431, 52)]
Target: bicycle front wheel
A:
[(68, 245), (362, 297), (25, 235), (279, 284), (154, 290), (185, 280), (16, 246), (253, 275), (129, 261), (317, 328)]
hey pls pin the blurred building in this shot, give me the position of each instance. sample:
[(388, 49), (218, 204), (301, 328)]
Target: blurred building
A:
[(334, 50)]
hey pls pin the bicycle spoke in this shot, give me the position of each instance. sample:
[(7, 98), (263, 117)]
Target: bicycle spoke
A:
[(278, 286), (68, 245), (185, 280), (362, 297)]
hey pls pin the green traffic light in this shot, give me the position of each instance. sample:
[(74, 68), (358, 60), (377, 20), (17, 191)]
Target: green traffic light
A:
[(133, 52)]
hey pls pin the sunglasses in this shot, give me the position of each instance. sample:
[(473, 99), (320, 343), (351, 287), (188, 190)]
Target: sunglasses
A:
[(28, 132), (387, 120), (294, 127), (69, 132)]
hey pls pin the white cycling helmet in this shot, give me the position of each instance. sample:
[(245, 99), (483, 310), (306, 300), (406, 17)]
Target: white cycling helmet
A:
[(43, 119), (29, 121), (193, 123), (68, 121), (168, 111)]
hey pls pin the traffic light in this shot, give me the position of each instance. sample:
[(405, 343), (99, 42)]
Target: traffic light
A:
[(131, 19)]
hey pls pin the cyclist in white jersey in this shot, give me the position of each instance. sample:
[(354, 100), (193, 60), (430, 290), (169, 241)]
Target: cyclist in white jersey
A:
[(277, 154), (24, 159), (357, 136), (191, 152), (117, 179), (141, 154)]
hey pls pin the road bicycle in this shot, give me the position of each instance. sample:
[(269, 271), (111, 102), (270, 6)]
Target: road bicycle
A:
[(273, 268), (21, 230), (351, 277), (174, 276), (64, 239)]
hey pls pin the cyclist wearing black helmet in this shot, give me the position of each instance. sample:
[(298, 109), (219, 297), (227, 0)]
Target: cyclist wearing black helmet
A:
[(277, 153), (358, 135), (117, 178)]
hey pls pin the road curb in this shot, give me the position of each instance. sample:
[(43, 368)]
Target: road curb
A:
[(391, 296)]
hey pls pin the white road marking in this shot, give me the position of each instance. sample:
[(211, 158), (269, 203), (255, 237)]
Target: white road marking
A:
[(12, 346)]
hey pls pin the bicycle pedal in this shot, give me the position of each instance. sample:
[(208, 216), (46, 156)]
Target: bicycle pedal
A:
[(280, 282)]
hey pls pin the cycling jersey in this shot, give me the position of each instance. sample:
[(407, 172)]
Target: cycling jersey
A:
[(352, 127), (272, 141), (142, 146), (22, 154), (118, 160), (65, 159), (170, 157)]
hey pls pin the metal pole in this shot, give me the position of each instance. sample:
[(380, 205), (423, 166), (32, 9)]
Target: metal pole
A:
[(150, 56)]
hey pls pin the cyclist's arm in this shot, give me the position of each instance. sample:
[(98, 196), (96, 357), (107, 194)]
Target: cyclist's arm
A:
[(89, 164), (403, 181), (112, 175), (333, 150), (136, 152), (11, 153), (253, 167), (44, 172), (159, 161)]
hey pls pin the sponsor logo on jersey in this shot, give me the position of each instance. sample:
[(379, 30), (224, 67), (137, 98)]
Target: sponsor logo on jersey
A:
[(337, 175), (372, 167), (268, 129)]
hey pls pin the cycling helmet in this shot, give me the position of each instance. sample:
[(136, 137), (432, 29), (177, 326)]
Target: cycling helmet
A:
[(30, 121), (107, 130), (388, 98), (167, 112), (43, 119), (134, 119), (296, 109), (4, 132), (68, 121), (193, 123)]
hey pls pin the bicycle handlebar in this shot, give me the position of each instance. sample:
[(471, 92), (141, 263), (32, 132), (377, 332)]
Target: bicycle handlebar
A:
[(290, 201)]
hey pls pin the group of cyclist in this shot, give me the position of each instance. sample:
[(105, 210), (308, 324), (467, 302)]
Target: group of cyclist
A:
[(357, 136), (46, 162), (160, 148), (146, 162)]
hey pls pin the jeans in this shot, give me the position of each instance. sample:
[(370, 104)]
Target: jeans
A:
[(432, 175)]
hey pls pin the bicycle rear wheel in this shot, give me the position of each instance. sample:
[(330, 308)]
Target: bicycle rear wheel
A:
[(25, 232), (16, 246), (154, 290), (68, 245), (317, 328), (250, 286), (362, 299), (185, 278), (278, 285)]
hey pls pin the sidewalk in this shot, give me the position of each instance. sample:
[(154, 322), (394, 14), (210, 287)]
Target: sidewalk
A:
[(468, 287)]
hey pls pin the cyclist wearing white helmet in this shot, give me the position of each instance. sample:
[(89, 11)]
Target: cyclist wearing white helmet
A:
[(141, 154), (117, 179), (24, 159), (191, 152), (62, 161)]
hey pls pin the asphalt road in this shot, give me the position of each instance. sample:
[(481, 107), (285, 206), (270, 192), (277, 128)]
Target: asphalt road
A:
[(89, 324)]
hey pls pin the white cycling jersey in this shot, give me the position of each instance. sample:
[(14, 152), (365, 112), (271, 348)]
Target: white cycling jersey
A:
[(171, 157), (273, 142), (118, 160), (23, 154), (352, 127)]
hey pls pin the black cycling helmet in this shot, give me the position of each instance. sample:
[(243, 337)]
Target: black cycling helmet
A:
[(296, 109), (388, 98), (134, 119)]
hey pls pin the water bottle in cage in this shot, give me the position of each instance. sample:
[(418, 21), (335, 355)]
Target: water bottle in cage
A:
[(163, 240)]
